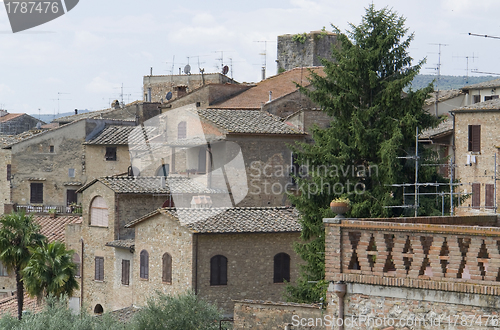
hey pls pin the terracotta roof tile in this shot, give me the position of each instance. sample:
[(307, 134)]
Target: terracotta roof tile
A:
[(443, 128), (234, 220), (9, 305), (481, 106), (122, 243), (443, 96), (485, 84), (8, 140), (245, 121), (10, 116), (53, 228), (280, 85), (118, 135)]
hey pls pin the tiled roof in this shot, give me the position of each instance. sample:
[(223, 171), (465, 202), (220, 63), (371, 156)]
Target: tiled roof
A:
[(125, 314), (53, 228), (234, 220), (82, 115), (152, 185), (10, 116), (245, 121), (443, 96), (485, 84), (481, 106), (280, 85), (122, 243), (118, 135), (443, 128), (9, 305), (8, 140)]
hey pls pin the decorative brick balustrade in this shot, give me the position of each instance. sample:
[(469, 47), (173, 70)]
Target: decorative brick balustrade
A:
[(429, 255)]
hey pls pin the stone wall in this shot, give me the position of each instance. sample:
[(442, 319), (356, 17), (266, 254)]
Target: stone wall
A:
[(293, 53), (158, 235), (483, 170), (267, 315), (98, 166), (250, 259), (5, 191), (18, 125)]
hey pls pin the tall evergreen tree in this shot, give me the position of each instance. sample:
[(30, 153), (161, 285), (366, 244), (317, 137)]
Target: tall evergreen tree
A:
[(18, 233), (373, 123)]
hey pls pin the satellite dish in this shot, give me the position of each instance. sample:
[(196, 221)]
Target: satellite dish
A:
[(187, 69), (225, 70), (168, 96)]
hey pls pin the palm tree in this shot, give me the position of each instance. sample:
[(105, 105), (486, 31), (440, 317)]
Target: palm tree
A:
[(18, 233), (50, 271)]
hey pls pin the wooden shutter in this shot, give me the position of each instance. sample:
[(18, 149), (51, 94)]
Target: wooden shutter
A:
[(144, 264), (475, 138), (166, 268), (36, 193), (125, 271), (99, 268), (218, 270), (281, 268), (181, 130), (9, 168), (489, 199), (476, 195), (99, 212)]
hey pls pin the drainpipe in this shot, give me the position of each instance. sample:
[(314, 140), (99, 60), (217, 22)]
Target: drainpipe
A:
[(340, 289)]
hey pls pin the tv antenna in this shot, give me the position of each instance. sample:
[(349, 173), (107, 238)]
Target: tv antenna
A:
[(221, 59), (264, 57), (467, 67), (121, 94), (483, 35), (59, 99)]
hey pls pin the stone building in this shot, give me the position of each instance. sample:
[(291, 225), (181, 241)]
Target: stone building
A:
[(46, 169), (477, 143), (304, 50), (481, 92), (156, 88), (17, 123)]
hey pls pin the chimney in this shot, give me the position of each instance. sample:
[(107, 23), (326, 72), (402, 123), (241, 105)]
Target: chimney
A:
[(76, 111), (263, 73), (149, 95), (151, 71), (270, 96)]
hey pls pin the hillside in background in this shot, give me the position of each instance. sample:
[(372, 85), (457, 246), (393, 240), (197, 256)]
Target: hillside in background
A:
[(48, 118), (448, 82)]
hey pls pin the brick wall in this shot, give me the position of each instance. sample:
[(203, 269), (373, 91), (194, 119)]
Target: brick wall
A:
[(267, 315)]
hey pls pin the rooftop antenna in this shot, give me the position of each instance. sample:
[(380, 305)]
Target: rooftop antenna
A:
[(221, 59), (483, 35), (121, 93), (467, 67), (59, 99), (438, 69), (264, 57)]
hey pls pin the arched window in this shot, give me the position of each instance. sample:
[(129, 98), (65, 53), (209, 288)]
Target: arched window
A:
[(76, 261), (166, 274), (281, 268), (99, 212), (218, 270), (98, 309), (182, 130), (144, 264)]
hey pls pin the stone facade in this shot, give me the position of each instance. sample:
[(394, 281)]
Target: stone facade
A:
[(251, 314), (477, 168), (5, 191), (157, 87), (16, 123), (98, 166), (302, 50)]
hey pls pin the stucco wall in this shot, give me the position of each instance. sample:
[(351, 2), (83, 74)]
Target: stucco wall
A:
[(98, 166)]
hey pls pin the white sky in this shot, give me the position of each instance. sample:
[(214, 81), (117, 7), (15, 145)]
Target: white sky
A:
[(88, 53)]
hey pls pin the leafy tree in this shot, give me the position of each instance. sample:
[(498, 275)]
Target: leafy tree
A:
[(373, 123), (50, 271), (186, 312), (18, 233)]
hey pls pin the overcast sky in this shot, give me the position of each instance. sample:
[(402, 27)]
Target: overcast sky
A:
[(84, 57)]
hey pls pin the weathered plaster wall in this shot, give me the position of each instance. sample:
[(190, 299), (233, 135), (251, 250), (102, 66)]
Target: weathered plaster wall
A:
[(98, 166)]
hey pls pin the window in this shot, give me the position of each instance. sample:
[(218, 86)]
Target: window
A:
[(110, 153), (71, 172), (475, 138), (99, 212), (166, 274), (202, 160), (489, 199), (9, 171), (491, 97), (3, 270), (51, 149), (98, 309), (476, 195), (476, 98), (99, 268), (76, 261), (281, 268), (198, 104), (181, 130), (218, 270), (70, 197), (144, 265), (36, 190), (125, 272)]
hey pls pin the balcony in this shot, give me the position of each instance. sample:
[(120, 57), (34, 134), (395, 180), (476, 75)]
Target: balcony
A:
[(39, 208), (460, 254)]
